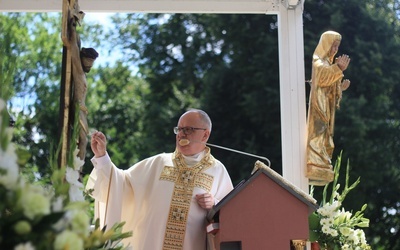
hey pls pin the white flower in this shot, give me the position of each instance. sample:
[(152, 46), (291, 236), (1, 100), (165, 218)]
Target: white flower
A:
[(22, 227), (345, 231), (78, 163), (57, 204), (80, 222), (75, 193), (9, 169), (353, 237), (346, 247), (327, 222), (24, 246), (329, 210), (68, 240), (333, 232), (335, 194), (325, 229), (336, 205), (361, 235), (343, 216), (323, 211), (33, 202), (75, 187), (72, 176)]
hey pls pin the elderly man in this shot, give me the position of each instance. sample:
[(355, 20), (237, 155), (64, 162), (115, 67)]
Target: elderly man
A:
[(163, 199)]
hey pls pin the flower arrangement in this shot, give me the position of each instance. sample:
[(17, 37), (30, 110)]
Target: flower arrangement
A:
[(36, 216), (331, 226)]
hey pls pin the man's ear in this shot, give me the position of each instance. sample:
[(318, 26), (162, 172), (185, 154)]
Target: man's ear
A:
[(206, 135)]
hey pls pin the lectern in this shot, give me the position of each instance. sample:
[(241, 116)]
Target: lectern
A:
[(263, 212)]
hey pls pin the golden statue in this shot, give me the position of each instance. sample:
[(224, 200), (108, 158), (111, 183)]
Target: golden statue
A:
[(325, 95)]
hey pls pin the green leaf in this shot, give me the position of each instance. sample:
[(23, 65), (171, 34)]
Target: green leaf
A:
[(314, 221), (313, 236), (23, 156), (364, 223)]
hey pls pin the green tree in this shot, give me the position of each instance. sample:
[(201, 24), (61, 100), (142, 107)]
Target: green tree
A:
[(173, 80), (33, 41), (242, 92), (116, 102), (213, 62)]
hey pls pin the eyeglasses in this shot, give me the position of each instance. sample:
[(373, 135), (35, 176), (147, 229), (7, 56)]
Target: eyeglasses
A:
[(186, 130)]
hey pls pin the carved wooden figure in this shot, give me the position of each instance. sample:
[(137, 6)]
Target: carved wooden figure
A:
[(78, 62)]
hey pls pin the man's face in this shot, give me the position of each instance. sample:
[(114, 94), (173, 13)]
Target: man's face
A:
[(197, 136)]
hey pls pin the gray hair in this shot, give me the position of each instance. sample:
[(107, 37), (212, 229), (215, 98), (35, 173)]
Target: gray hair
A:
[(203, 116)]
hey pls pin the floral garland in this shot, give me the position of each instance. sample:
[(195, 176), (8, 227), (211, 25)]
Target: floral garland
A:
[(36, 216), (332, 226)]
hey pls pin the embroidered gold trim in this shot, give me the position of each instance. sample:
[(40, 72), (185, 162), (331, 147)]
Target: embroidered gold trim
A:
[(185, 179), (204, 181)]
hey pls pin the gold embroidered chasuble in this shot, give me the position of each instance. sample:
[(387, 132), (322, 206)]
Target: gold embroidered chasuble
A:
[(153, 197), (186, 179)]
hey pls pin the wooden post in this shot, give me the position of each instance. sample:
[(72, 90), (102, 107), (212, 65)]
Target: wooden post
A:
[(65, 98), (77, 62)]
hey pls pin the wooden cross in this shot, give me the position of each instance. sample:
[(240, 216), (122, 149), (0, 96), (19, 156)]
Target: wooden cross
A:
[(76, 62)]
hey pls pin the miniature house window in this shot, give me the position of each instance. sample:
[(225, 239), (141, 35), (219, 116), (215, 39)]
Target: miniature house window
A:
[(231, 245)]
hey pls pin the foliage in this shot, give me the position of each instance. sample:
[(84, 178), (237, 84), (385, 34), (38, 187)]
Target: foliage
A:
[(192, 60), (247, 118), (117, 101), (38, 216), (35, 216), (331, 225), (33, 42)]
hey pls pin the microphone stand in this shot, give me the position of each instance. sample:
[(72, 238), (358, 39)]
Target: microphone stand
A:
[(240, 152)]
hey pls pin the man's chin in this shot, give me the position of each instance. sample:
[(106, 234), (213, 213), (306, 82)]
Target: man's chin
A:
[(186, 151)]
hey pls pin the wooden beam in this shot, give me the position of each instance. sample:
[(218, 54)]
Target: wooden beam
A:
[(148, 6), (66, 85)]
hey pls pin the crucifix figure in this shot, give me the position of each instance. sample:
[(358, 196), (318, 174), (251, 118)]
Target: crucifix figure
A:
[(77, 62)]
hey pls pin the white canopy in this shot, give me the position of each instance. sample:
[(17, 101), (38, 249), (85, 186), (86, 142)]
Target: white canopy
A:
[(291, 55)]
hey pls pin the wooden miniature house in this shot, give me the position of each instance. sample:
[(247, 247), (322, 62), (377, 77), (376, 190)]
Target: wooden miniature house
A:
[(265, 212)]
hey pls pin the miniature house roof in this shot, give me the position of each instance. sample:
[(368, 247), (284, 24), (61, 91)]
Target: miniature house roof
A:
[(259, 169)]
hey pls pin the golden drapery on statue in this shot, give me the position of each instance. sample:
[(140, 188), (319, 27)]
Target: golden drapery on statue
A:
[(325, 96), (76, 63)]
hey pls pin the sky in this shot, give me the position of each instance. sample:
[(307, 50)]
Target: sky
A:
[(104, 20), (100, 17), (19, 104)]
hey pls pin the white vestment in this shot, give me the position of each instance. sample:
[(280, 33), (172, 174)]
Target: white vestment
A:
[(143, 195)]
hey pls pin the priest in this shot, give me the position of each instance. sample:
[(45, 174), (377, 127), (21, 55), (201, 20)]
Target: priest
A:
[(163, 199)]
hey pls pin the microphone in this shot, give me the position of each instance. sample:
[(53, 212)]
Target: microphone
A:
[(184, 142)]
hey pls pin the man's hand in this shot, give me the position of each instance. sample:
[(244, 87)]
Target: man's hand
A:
[(205, 200), (98, 144)]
